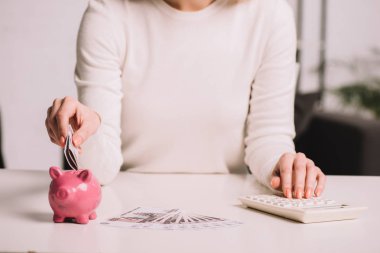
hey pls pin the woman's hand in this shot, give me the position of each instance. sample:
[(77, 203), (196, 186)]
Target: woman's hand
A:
[(67, 111), (296, 175)]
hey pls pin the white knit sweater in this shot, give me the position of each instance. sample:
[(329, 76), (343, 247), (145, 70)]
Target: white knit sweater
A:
[(209, 91)]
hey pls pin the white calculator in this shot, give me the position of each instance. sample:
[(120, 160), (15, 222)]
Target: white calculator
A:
[(303, 210)]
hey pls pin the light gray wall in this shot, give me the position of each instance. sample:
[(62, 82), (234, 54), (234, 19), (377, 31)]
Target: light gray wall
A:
[(352, 30), (37, 57)]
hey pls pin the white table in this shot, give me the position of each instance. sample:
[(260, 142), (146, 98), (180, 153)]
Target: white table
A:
[(26, 218)]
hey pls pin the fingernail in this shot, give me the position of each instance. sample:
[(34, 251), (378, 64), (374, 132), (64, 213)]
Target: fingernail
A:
[(62, 140), (317, 192), (308, 193), (288, 193), (272, 182), (299, 194)]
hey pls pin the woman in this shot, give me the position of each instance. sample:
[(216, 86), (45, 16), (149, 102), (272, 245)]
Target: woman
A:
[(187, 86)]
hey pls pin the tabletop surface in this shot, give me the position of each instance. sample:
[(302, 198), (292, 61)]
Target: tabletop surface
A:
[(26, 217)]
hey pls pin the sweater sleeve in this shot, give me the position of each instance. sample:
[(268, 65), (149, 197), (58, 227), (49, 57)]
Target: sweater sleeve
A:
[(270, 125), (99, 85)]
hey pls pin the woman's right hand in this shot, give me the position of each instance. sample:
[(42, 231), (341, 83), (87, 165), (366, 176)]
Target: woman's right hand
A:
[(68, 110)]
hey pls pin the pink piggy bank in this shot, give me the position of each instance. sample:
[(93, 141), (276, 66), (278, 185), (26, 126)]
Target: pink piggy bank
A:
[(73, 194)]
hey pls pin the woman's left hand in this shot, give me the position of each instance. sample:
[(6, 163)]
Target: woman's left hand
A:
[(296, 175)]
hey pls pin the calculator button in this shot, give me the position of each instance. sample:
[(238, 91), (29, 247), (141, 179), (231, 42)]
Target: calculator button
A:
[(309, 203)]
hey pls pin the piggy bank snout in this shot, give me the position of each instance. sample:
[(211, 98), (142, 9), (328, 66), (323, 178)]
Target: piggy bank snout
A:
[(62, 193)]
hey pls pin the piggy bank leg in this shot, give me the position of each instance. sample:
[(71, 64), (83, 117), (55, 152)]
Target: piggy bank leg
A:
[(58, 219), (93, 216), (82, 219)]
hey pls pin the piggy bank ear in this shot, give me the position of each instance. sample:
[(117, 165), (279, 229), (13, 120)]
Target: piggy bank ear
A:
[(85, 175), (55, 172)]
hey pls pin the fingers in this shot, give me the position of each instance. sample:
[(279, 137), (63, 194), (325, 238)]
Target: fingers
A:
[(88, 122), (299, 175), (311, 175), (275, 182), (63, 115), (48, 128), (286, 171), (52, 136), (57, 119), (67, 111), (321, 181), (51, 123), (81, 135)]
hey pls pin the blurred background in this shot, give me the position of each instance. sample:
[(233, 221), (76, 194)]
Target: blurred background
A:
[(337, 105)]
